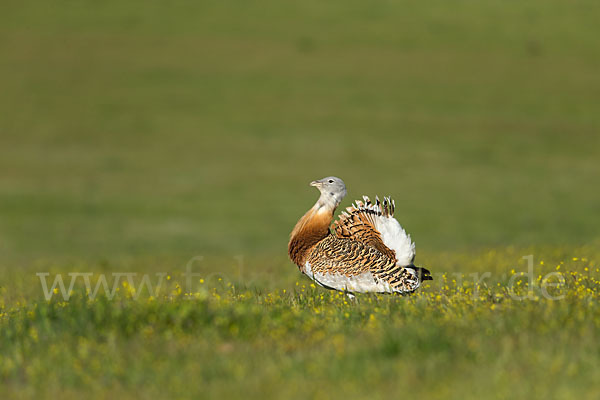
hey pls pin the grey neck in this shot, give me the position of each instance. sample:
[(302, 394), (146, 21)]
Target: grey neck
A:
[(329, 200)]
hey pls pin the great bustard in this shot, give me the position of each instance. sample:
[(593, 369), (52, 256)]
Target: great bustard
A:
[(367, 251)]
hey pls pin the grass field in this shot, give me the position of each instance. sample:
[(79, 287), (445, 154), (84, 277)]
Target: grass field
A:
[(140, 136)]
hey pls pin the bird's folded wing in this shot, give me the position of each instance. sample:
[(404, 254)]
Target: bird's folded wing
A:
[(347, 264), (347, 256)]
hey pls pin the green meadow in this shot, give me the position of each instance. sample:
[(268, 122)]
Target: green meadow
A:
[(176, 141)]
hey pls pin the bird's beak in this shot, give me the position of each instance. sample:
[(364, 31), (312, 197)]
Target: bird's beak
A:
[(315, 183)]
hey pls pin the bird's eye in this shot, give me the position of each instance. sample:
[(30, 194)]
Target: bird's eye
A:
[(331, 181)]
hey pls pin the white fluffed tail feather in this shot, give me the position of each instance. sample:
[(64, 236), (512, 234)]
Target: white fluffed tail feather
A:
[(396, 238)]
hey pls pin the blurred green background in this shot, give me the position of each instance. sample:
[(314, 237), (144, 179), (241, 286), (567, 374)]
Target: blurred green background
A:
[(135, 135), (152, 128)]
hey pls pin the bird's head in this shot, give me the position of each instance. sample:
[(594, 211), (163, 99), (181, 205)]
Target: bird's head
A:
[(332, 189)]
